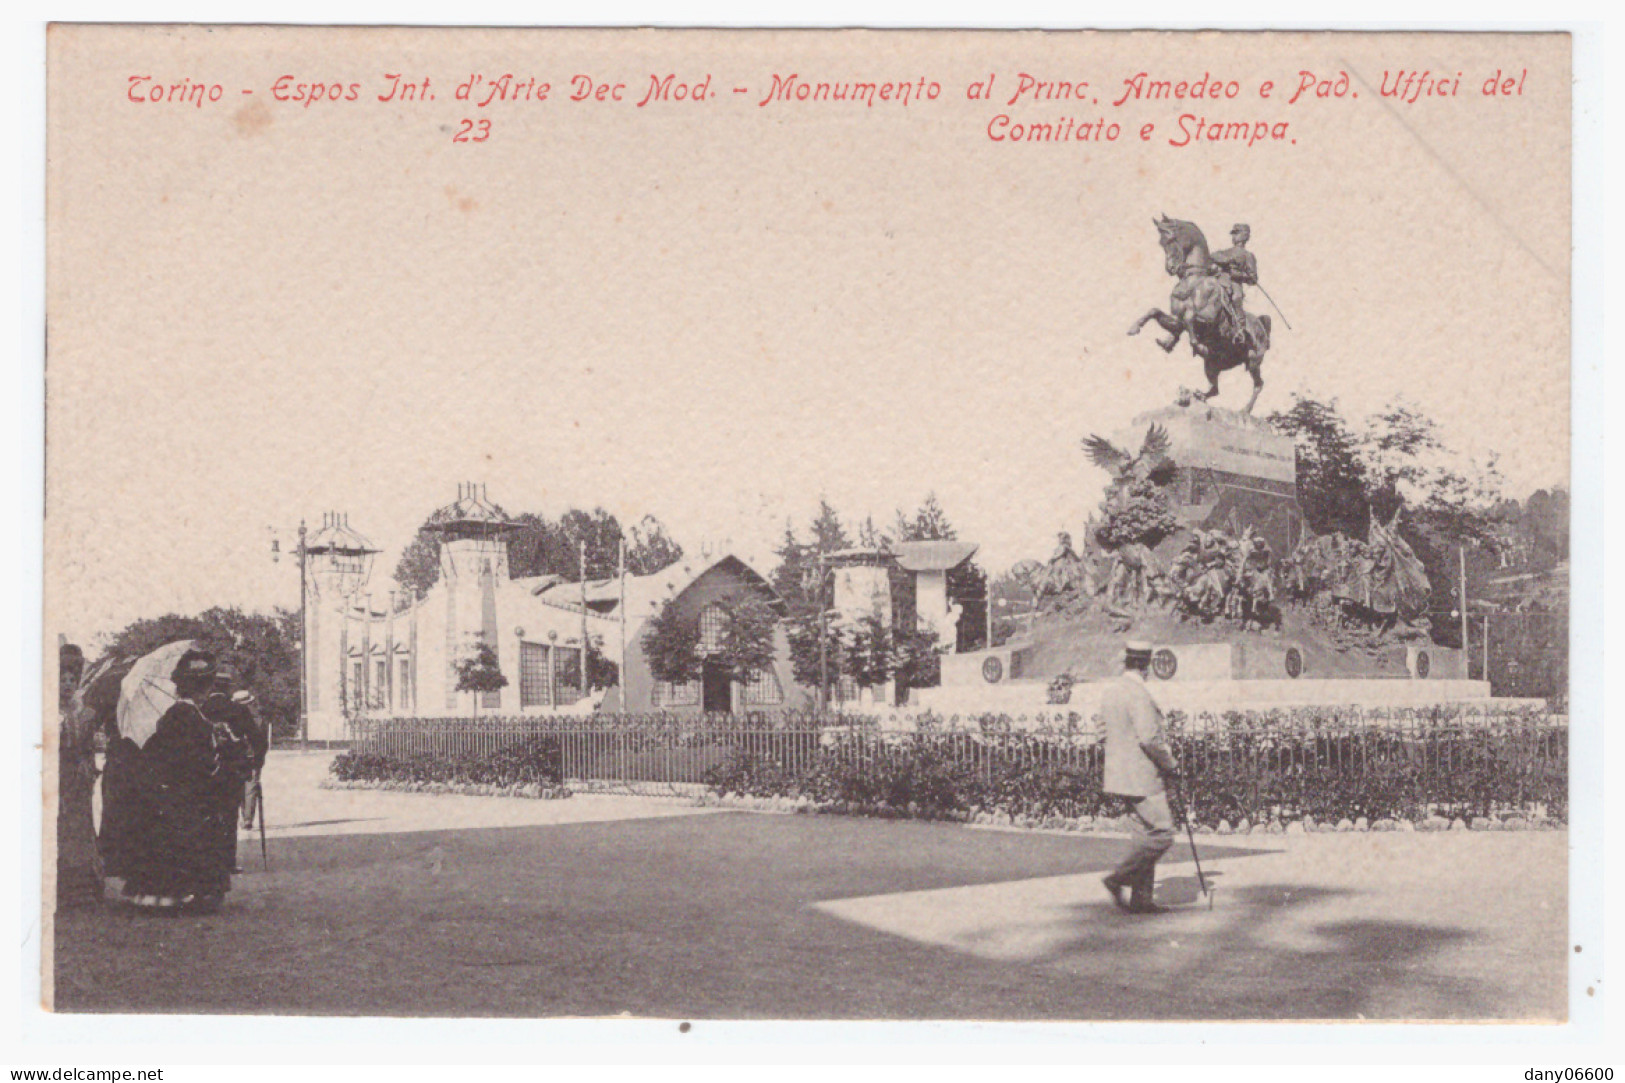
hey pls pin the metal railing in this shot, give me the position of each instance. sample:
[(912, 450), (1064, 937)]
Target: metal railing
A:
[(1482, 755)]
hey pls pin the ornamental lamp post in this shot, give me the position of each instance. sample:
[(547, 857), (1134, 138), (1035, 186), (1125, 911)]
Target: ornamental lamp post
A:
[(344, 558)]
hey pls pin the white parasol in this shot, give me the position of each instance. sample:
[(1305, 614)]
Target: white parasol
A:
[(147, 692)]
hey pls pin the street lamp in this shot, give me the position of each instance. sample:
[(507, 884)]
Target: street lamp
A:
[(349, 558)]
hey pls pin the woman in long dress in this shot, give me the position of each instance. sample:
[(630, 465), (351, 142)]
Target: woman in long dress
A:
[(176, 863)]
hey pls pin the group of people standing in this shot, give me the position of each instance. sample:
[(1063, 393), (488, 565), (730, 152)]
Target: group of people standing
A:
[(170, 807)]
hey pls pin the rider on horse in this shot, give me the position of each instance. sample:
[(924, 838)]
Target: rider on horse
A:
[(1234, 268), (1207, 305)]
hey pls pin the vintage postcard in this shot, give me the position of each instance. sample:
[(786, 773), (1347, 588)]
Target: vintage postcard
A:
[(808, 525)]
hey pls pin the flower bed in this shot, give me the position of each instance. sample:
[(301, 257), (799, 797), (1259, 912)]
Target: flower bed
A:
[(1535, 821), (535, 763), (532, 790)]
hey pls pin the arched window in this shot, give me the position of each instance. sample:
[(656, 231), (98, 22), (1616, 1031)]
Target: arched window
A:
[(713, 623)]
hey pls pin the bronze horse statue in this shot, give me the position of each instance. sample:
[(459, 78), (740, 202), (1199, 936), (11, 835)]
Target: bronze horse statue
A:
[(1200, 311)]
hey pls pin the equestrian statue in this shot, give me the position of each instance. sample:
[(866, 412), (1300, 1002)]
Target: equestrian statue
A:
[(1207, 304)]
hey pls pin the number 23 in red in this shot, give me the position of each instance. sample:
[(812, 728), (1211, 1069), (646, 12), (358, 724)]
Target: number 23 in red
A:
[(473, 131)]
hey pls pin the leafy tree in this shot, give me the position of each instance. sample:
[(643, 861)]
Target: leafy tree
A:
[(1332, 482), (480, 672), (1546, 519), (419, 566), (671, 639), (968, 586), (651, 548), (264, 649), (801, 581), (747, 634), (671, 644), (917, 661), (802, 631), (867, 655), (789, 576), (540, 546), (1397, 462)]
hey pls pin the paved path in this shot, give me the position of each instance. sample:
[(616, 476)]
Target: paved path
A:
[(1393, 926)]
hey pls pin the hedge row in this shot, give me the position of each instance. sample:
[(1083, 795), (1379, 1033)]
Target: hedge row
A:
[(1536, 821), (534, 790), (1260, 779), (535, 761)]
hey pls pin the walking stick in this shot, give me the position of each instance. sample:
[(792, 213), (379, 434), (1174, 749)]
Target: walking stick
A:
[(1185, 814), (265, 860)]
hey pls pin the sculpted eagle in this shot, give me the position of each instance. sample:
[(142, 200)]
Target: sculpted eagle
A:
[(1151, 464)]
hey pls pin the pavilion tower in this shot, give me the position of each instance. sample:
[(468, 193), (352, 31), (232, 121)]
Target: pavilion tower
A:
[(338, 562), (473, 536)]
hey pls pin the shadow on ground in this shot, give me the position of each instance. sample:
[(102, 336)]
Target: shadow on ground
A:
[(1252, 956)]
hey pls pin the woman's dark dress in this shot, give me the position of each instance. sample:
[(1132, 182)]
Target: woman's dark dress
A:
[(125, 807), (175, 851)]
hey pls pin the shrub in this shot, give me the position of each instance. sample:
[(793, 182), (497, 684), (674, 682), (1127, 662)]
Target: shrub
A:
[(532, 760), (1278, 767)]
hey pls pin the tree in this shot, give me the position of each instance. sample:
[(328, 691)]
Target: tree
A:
[(651, 548), (828, 535), (928, 523), (917, 659), (747, 635), (967, 586), (1332, 482), (672, 646), (1397, 463), (789, 576), (419, 566), (869, 535), (540, 546), (967, 583), (867, 655), (479, 672), (263, 648), (671, 640), (801, 581)]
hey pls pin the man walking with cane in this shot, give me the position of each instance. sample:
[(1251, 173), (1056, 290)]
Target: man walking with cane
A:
[(1137, 764), (259, 741)]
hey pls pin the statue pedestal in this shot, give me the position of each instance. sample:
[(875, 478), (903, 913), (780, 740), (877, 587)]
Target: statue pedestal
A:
[(1235, 471)]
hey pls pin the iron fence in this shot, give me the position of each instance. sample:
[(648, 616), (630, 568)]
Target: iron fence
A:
[(1479, 756)]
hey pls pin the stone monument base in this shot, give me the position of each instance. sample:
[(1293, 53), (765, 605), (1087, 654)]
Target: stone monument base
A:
[(1235, 471)]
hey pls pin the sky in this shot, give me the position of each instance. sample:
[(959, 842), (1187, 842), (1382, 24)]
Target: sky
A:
[(719, 313)]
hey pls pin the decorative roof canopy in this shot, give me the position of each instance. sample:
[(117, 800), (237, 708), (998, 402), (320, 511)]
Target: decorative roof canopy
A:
[(932, 556), (336, 536), (471, 515), (645, 594), (858, 555)]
